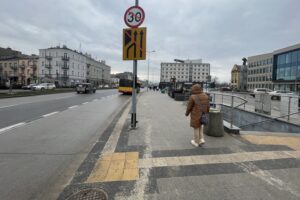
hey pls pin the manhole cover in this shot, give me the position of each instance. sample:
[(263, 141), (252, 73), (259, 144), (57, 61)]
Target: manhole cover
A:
[(89, 194)]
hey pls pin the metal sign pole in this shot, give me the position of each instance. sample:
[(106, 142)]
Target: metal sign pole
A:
[(133, 110)]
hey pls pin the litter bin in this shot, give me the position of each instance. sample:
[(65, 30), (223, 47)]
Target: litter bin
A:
[(215, 126)]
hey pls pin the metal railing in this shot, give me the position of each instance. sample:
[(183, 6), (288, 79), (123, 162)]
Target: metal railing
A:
[(287, 108), (232, 103)]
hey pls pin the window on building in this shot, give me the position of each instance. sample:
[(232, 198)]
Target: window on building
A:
[(42, 71)]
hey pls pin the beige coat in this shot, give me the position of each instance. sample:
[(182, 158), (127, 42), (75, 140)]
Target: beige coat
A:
[(194, 109)]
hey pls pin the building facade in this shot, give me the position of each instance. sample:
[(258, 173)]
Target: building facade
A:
[(188, 71), (236, 77), (17, 69), (259, 73), (286, 73), (66, 67), (98, 72), (239, 77)]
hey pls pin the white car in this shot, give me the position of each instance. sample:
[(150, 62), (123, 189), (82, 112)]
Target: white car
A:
[(44, 86), (260, 91), (275, 95)]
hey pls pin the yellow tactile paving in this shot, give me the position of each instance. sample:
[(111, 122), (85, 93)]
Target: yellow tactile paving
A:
[(118, 156), (132, 155), (292, 142), (130, 174), (115, 167)]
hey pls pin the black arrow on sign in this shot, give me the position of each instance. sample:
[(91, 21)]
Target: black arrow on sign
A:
[(134, 53), (128, 33), (141, 43)]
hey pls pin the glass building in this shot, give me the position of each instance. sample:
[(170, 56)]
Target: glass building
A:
[(286, 70)]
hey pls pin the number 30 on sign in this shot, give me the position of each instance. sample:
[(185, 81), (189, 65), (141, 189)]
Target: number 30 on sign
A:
[(134, 16)]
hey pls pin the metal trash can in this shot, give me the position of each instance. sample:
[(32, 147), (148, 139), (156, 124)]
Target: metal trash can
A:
[(215, 125)]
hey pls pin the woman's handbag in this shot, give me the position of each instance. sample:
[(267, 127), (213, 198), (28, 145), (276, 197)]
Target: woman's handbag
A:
[(204, 117)]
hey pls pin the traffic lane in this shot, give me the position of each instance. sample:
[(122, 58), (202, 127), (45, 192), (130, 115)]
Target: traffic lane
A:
[(62, 132), (9, 102), (36, 156), (32, 99), (32, 111), (22, 187)]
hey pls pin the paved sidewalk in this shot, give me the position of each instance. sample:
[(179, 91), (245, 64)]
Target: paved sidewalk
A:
[(157, 161)]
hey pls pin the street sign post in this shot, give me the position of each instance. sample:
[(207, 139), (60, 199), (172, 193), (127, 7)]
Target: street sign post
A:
[(134, 47), (134, 44), (134, 16)]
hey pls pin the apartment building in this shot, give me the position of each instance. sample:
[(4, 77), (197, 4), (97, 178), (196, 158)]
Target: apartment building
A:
[(17, 68), (187, 71), (67, 67), (98, 72)]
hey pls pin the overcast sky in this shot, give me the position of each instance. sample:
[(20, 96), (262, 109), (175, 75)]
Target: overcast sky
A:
[(220, 32)]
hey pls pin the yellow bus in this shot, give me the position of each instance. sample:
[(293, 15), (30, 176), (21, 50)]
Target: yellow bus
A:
[(125, 86)]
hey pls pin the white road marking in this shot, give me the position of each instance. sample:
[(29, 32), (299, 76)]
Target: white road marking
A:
[(11, 127), (85, 103), (73, 106), (49, 114), (8, 106), (62, 97), (111, 144), (95, 100)]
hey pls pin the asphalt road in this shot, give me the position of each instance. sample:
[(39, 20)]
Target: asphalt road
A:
[(26, 109), (53, 135)]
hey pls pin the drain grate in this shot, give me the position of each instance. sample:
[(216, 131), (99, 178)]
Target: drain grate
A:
[(89, 194)]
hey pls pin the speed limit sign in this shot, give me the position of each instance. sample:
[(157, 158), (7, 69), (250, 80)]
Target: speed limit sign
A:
[(134, 16)]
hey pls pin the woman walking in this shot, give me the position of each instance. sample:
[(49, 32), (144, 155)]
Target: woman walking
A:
[(197, 106)]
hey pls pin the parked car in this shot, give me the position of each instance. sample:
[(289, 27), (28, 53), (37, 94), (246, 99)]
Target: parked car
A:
[(259, 91), (28, 87), (85, 88), (275, 95), (44, 86)]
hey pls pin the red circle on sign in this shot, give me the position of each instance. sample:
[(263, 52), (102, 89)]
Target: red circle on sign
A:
[(136, 20)]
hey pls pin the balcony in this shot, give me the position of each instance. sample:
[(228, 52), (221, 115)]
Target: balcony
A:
[(48, 57), (22, 66), (48, 76), (48, 66), (65, 76), (65, 67), (15, 68), (65, 58), (34, 66)]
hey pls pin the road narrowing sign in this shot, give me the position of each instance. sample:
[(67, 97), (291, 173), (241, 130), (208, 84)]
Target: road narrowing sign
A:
[(134, 16), (134, 43)]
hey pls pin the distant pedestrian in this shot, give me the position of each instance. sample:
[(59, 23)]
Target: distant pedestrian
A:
[(198, 103)]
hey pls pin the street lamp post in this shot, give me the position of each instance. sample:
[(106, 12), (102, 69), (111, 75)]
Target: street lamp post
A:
[(149, 52)]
